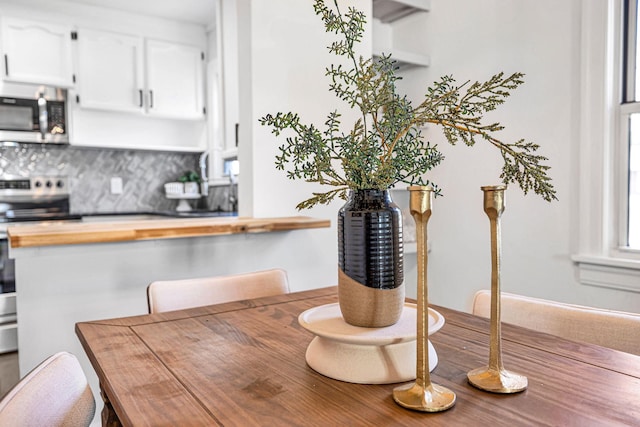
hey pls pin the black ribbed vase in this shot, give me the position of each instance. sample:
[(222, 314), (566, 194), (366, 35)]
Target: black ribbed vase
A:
[(370, 258)]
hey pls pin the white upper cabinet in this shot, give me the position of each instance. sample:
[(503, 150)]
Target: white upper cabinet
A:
[(118, 72), (37, 52), (110, 71), (175, 85)]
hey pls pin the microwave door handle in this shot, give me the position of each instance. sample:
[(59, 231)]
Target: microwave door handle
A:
[(43, 116)]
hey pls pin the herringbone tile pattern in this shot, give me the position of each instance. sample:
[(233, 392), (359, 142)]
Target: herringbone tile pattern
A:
[(90, 171)]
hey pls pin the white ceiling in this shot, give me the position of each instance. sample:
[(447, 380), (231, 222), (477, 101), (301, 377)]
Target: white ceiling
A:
[(194, 11)]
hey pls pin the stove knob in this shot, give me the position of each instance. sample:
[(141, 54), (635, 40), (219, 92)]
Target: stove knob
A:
[(38, 184), (49, 184), (60, 183)]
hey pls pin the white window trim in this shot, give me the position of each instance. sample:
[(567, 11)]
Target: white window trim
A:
[(600, 259)]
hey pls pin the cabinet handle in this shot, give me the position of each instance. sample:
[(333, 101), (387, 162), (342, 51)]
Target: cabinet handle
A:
[(150, 99), (6, 65), (140, 93)]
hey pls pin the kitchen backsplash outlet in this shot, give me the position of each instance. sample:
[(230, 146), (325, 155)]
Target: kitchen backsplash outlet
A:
[(90, 170)]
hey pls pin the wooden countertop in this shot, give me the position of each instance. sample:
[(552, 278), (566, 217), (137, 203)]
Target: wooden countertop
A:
[(70, 233)]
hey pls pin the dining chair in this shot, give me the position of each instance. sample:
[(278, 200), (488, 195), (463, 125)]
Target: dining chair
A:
[(54, 394), (608, 328), (171, 295)]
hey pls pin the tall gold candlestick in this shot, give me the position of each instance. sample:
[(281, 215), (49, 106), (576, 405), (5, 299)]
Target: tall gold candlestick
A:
[(495, 378), (422, 395)]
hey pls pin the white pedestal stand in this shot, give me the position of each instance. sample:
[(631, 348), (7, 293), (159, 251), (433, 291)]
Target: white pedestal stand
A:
[(365, 355), (183, 205)]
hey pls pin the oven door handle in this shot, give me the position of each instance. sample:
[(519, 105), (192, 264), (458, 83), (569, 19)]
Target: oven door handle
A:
[(3, 236)]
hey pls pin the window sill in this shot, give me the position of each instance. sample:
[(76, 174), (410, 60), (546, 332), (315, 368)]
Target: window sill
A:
[(605, 272)]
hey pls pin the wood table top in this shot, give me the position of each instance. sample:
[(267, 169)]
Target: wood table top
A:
[(68, 232), (243, 363)]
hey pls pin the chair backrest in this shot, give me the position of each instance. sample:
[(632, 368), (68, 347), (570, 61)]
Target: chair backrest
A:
[(179, 294), (55, 393), (608, 328)]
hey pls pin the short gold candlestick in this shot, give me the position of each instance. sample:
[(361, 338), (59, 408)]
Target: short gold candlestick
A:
[(495, 378), (422, 395)]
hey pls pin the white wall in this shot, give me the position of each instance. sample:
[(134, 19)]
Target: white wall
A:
[(285, 72), (473, 40), (289, 58)]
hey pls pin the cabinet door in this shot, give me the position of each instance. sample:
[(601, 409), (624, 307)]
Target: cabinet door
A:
[(37, 52), (110, 71), (174, 80)]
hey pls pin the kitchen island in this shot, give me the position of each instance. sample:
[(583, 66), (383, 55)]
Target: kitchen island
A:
[(69, 272)]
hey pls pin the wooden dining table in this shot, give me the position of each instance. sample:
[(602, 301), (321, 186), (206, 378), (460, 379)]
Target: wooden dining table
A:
[(243, 364)]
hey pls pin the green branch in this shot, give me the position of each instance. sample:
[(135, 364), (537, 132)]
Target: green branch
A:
[(393, 150)]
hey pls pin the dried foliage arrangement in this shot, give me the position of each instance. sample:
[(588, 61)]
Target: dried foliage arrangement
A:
[(385, 146)]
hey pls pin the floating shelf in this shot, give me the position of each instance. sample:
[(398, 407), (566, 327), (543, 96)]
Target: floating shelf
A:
[(386, 41), (392, 10), (405, 59), (411, 248)]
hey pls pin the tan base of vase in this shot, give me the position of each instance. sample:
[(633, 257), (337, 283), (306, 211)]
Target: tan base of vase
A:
[(368, 307)]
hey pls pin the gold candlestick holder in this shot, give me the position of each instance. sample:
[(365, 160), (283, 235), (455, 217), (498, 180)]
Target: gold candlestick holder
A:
[(495, 378), (423, 395)]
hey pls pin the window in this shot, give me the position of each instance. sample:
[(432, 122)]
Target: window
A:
[(608, 213), (633, 218), (630, 116)]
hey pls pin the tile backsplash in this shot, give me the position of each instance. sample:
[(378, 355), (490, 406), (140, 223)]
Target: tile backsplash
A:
[(90, 170)]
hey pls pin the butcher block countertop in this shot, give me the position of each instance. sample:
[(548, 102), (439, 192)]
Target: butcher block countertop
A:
[(71, 232)]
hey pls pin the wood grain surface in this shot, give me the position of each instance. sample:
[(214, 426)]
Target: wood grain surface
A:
[(69, 233), (243, 364)]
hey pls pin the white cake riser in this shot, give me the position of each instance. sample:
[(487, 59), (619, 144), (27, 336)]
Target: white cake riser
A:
[(366, 364)]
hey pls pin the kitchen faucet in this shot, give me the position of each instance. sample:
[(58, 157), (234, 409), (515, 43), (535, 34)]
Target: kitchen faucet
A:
[(233, 199), (204, 179)]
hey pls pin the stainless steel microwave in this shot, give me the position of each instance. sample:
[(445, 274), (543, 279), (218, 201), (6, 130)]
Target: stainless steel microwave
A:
[(39, 118)]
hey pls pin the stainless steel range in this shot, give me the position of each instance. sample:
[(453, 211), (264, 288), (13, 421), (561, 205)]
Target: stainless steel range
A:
[(41, 198)]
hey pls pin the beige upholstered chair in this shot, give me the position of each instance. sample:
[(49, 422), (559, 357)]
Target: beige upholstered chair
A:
[(178, 294), (54, 394), (608, 328)]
